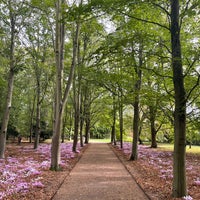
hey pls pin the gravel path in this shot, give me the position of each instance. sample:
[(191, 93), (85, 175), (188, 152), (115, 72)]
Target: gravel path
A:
[(99, 175)]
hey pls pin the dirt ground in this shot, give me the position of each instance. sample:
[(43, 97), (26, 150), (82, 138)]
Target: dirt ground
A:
[(146, 175)]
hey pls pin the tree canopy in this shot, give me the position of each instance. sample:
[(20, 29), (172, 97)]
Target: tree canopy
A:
[(102, 68)]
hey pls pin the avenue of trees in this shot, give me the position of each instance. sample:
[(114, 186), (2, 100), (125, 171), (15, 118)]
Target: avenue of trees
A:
[(129, 69)]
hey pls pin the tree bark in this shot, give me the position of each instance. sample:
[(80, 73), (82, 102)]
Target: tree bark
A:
[(87, 104), (81, 122), (136, 117), (179, 171), (113, 131), (134, 154), (60, 102), (121, 123), (76, 117), (6, 115), (55, 149), (153, 128), (32, 108), (87, 127), (38, 112)]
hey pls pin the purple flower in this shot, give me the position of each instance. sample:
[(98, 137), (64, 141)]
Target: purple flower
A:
[(187, 198), (197, 182), (37, 184)]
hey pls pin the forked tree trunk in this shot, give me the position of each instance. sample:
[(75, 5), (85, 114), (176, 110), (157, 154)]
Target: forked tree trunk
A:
[(61, 101), (179, 171)]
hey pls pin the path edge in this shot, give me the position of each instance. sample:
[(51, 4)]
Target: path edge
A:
[(123, 161), (79, 156)]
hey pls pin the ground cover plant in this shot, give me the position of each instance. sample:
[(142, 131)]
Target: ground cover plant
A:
[(154, 171), (25, 174)]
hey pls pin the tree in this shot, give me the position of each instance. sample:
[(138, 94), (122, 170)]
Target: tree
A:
[(60, 101), (179, 170), (136, 118), (13, 8)]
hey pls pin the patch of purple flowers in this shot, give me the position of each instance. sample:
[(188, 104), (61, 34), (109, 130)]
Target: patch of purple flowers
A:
[(15, 171), (162, 161)]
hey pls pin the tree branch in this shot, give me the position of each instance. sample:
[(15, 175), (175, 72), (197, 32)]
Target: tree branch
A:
[(193, 88), (146, 21)]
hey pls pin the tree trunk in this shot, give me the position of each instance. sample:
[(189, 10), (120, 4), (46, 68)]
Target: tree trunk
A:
[(32, 108), (64, 125), (60, 102), (6, 115), (76, 117), (113, 131), (55, 149), (134, 154), (121, 122), (38, 113), (179, 171), (153, 128), (87, 114), (87, 128), (81, 124), (136, 117)]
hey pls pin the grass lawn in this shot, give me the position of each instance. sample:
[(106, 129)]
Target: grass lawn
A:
[(170, 147), (99, 140)]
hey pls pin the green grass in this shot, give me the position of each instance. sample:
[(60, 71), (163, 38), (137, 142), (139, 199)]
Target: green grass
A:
[(170, 147), (99, 140)]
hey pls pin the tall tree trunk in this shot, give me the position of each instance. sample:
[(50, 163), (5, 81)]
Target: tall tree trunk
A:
[(113, 131), (121, 123), (153, 128), (81, 122), (77, 94), (87, 130), (136, 117), (63, 128), (6, 115), (179, 171), (38, 113), (31, 119), (134, 154), (76, 117), (61, 102), (87, 114), (55, 149)]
